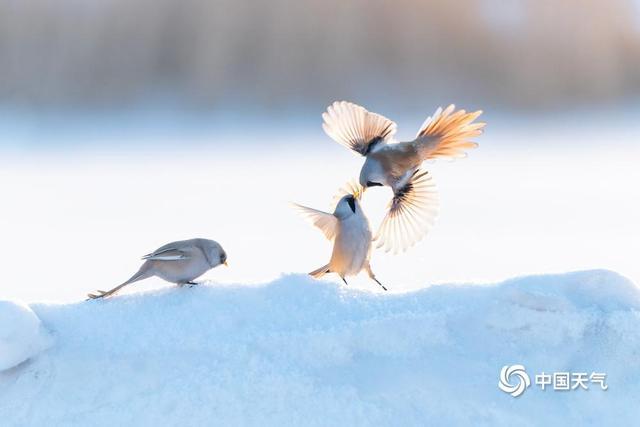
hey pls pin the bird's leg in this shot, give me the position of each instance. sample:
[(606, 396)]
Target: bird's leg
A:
[(344, 280), (378, 282), (192, 284), (373, 276)]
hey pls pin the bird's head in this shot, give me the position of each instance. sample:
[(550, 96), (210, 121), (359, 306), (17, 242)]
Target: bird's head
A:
[(214, 253), (372, 175), (347, 206)]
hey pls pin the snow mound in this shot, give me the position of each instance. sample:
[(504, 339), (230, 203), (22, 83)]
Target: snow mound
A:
[(305, 352), (21, 334)]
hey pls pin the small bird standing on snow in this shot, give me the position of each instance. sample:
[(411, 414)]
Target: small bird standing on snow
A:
[(348, 228), (178, 262), (413, 209)]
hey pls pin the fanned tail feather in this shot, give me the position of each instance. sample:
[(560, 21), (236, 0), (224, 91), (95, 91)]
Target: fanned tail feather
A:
[(318, 273), (448, 133)]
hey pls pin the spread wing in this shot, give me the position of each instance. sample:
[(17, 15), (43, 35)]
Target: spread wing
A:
[(326, 222), (356, 128), (411, 214), (166, 254)]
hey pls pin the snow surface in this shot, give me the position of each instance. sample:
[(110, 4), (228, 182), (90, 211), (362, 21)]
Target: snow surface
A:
[(21, 334), (304, 352)]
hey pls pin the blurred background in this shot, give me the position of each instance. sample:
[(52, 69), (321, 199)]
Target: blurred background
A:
[(127, 124), (284, 53)]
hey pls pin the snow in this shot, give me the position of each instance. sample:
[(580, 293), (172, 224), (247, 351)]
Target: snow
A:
[(21, 334), (302, 352)]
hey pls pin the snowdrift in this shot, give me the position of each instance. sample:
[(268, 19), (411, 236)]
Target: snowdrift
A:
[(305, 352), (21, 334)]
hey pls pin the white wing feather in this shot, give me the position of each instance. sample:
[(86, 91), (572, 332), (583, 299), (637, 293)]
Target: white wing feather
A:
[(326, 222), (356, 128), (412, 213), (166, 254)]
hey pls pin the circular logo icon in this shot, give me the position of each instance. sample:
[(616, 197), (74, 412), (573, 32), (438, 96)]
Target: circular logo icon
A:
[(520, 379)]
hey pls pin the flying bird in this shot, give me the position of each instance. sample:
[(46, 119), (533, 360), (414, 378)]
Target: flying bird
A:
[(177, 262), (414, 207), (348, 228)]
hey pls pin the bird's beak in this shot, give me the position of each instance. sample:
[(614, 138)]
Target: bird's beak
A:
[(359, 192), (226, 264)]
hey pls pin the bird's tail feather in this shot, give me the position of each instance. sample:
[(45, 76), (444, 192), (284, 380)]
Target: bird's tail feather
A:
[(143, 273), (318, 273), (448, 133)]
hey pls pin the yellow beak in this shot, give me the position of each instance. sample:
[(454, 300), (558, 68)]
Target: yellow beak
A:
[(226, 264)]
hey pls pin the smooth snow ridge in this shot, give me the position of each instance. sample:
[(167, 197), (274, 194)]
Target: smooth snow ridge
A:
[(305, 352)]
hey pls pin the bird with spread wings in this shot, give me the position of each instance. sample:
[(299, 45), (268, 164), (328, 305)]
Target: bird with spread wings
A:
[(399, 165)]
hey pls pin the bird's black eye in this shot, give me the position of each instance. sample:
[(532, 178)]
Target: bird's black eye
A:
[(373, 184), (223, 258), (352, 204)]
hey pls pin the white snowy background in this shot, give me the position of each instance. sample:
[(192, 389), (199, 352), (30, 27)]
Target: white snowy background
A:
[(548, 193)]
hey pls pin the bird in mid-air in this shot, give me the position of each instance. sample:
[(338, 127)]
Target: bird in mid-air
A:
[(398, 165), (178, 262), (348, 228)]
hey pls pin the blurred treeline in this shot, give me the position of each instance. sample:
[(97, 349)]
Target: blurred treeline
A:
[(525, 53)]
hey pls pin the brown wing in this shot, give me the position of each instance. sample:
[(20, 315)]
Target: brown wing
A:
[(356, 128), (448, 133), (411, 214)]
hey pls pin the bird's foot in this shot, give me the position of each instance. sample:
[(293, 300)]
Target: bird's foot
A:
[(192, 284)]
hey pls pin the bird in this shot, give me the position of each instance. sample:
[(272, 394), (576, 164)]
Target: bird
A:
[(348, 228), (448, 133), (178, 262)]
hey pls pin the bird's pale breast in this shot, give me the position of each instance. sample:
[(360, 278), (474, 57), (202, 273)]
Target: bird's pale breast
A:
[(351, 247)]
